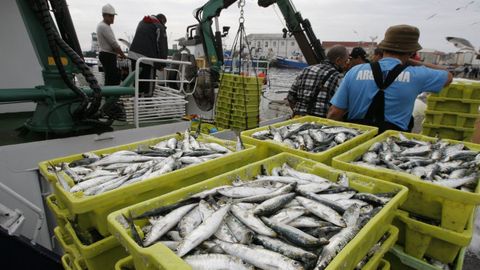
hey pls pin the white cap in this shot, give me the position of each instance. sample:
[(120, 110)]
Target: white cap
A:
[(108, 9)]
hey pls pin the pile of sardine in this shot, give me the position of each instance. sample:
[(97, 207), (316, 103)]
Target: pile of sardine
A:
[(440, 162), (94, 175), (285, 220), (311, 137)]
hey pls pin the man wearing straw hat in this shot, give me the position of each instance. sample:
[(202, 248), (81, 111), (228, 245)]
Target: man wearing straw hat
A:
[(383, 93)]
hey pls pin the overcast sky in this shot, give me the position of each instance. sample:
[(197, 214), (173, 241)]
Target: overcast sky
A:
[(332, 20)]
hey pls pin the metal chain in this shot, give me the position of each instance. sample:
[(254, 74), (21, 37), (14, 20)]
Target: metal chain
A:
[(241, 5)]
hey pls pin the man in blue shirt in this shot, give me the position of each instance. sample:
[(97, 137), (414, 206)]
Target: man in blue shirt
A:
[(383, 93)]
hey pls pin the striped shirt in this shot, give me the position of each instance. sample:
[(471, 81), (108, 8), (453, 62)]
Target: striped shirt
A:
[(311, 78)]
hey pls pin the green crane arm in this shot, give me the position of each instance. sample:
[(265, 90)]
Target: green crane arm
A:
[(300, 28)]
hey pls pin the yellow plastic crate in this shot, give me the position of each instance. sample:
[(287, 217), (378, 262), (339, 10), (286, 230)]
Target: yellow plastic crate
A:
[(91, 211), (375, 262), (66, 242), (460, 90), (125, 263), (462, 120), (240, 78), (61, 215), (325, 156), (239, 99), (399, 260), (451, 207), (237, 106), (159, 256), (444, 132), (67, 262), (459, 105), (103, 254), (422, 239), (384, 265)]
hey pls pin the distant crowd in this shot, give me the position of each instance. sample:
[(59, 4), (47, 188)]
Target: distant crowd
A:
[(470, 72)]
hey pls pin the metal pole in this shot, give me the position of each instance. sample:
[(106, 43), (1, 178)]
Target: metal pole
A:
[(135, 100)]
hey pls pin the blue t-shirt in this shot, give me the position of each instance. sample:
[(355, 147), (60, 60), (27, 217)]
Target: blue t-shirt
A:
[(358, 88)]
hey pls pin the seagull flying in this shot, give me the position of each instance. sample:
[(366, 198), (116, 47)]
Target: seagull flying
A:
[(464, 7), (462, 44)]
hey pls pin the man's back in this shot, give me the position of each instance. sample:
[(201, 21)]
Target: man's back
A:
[(323, 77), (358, 90), (150, 39)]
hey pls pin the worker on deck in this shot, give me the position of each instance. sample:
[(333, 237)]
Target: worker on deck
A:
[(150, 41), (383, 93), (357, 56), (109, 48), (312, 90)]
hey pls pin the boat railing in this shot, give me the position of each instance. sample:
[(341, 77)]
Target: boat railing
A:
[(166, 102)]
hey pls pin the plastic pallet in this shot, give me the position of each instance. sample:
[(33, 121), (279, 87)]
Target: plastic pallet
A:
[(159, 256), (451, 207)]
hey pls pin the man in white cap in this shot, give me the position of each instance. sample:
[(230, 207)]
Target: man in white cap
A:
[(109, 47)]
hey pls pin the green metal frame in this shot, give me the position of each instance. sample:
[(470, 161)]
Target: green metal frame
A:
[(300, 28), (55, 101)]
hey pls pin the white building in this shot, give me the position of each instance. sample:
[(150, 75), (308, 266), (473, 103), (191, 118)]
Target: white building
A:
[(271, 45)]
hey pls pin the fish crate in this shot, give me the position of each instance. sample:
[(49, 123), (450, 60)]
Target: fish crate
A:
[(444, 132), (399, 260), (458, 105), (102, 254), (446, 119), (158, 256), (451, 207), (424, 240), (91, 212), (384, 265), (238, 115), (66, 242), (239, 99), (323, 157), (61, 215), (228, 106), (460, 90), (244, 125), (125, 263), (240, 78), (67, 262), (376, 261)]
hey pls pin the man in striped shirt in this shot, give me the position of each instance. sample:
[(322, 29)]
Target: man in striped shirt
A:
[(312, 90)]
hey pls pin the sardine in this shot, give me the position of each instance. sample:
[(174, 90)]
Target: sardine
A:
[(202, 232), (261, 258), (163, 225)]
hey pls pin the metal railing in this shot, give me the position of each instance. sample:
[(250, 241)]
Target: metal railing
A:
[(148, 100)]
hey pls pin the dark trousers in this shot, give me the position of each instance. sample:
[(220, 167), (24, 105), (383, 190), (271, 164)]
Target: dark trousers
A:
[(109, 63), (146, 72)]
